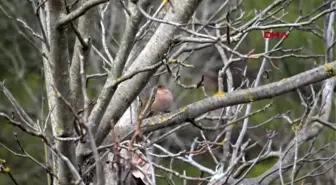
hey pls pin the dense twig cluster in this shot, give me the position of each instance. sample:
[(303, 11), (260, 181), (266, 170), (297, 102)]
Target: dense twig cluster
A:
[(95, 141)]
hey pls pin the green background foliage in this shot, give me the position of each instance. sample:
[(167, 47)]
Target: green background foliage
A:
[(12, 42)]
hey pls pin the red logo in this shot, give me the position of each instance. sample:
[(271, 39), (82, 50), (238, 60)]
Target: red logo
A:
[(271, 35)]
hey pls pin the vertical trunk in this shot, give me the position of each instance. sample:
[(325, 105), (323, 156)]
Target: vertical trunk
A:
[(58, 90)]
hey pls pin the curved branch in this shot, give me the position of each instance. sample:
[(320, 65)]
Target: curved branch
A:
[(267, 91), (78, 12)]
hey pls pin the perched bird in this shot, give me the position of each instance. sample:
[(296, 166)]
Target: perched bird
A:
[(163, 101)]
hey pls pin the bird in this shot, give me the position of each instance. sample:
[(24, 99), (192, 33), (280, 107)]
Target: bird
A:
[(163, 100)]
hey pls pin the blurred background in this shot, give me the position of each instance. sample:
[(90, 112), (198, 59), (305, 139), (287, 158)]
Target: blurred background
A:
[(21, 71)]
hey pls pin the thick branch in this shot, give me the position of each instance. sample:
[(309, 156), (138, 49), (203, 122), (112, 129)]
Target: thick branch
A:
[(78, 12), (152, 53), (109, 89), (238, 97), (128, 38), (85, 28)]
